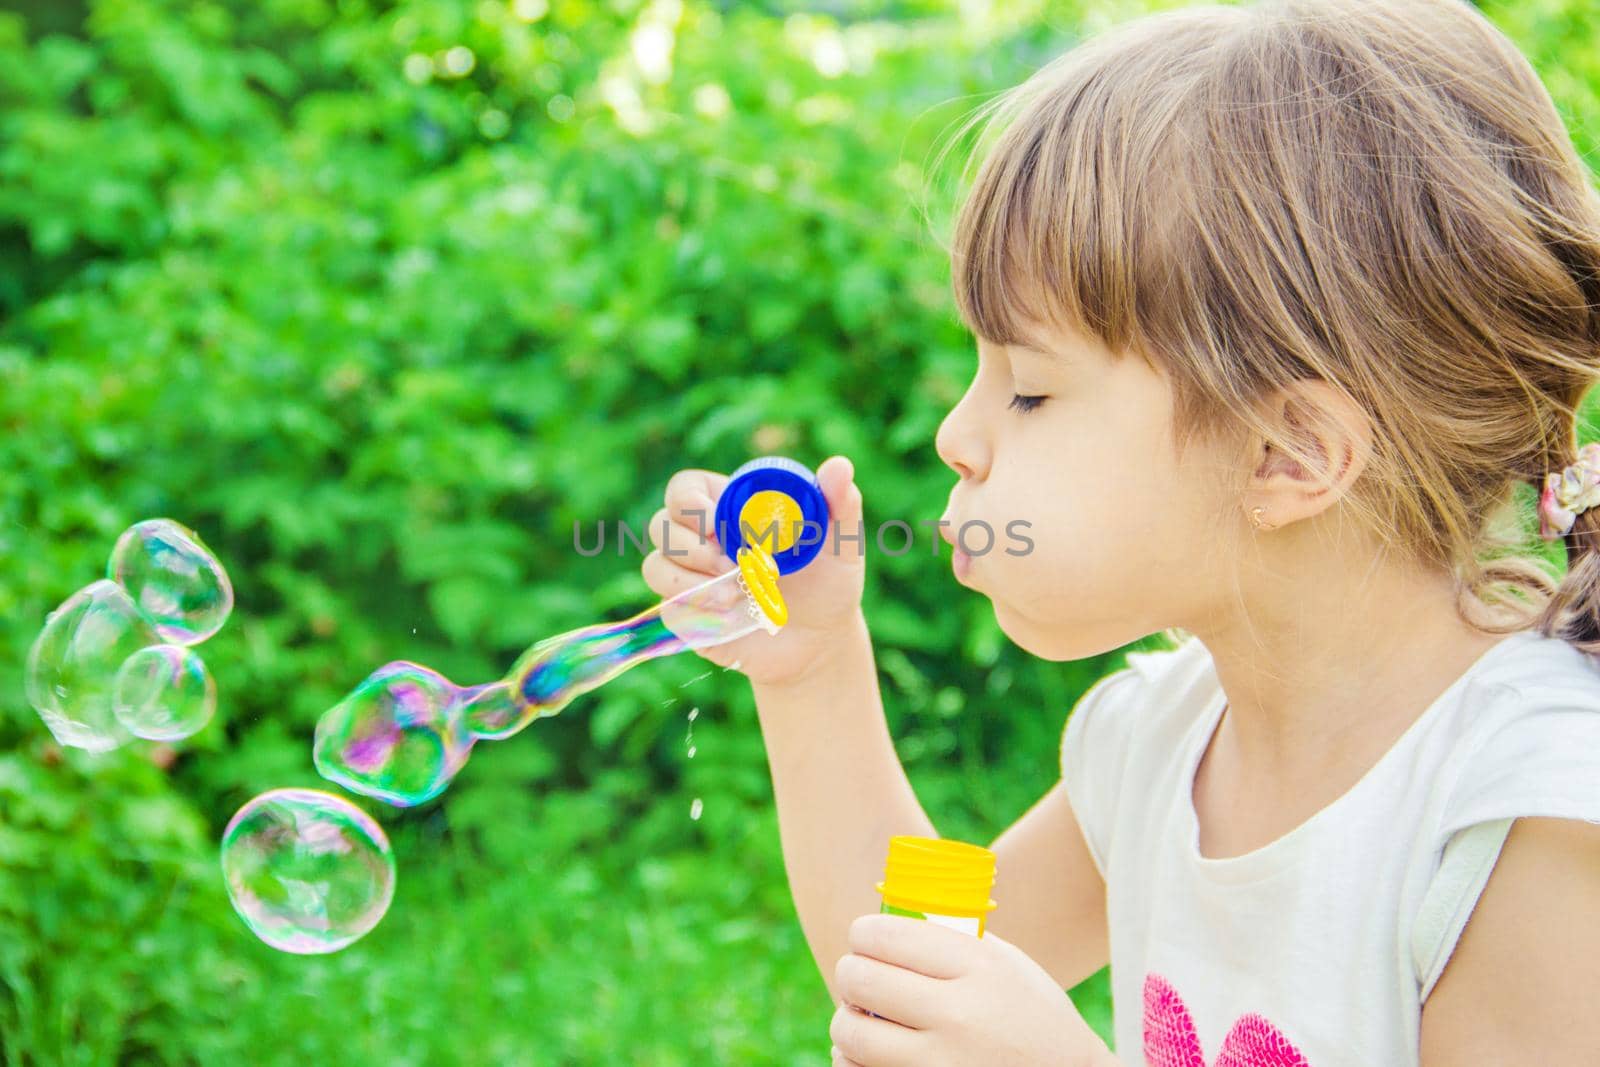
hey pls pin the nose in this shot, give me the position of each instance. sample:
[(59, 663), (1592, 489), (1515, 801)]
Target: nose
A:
[(956, 446)]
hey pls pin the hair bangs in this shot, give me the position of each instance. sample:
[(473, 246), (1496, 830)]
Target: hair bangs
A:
[(1072, 219)]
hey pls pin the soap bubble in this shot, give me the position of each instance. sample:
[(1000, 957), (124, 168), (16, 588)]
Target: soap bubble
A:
[(405, 732), (72, 667), (164, 693), (307, 871), (552, 672), (174, 577), (398, 736), (110, 662), (489, 711)]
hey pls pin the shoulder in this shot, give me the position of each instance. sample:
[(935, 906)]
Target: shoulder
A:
[(1530, 742), (1118, 719), (1155, 689), (1530, 952)]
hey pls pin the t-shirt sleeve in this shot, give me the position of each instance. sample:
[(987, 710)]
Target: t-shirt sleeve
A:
[(1094, 748), (1542, 760)]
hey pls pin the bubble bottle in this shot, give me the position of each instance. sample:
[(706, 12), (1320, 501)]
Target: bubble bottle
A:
[(404, 733), (944, 882)]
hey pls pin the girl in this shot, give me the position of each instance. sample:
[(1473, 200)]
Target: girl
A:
[(1274, 308)]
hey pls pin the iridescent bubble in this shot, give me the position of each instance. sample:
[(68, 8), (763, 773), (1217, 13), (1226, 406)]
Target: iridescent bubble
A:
[(547, 676), (174, 577), (72, 666), (163, 693), (489, 712), (552, 672), (405, 732), (398, 736), (307, 871)]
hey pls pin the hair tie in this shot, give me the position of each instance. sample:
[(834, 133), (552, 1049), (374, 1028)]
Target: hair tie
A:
[(1574, 488)]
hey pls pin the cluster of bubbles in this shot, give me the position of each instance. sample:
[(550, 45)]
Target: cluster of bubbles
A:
[(407, 730), (116, 660), (308, 871)]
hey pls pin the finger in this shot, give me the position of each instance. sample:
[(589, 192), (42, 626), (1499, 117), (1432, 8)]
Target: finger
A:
[(915, 944), (841, 1060), (879, 1042), (836, 477), (906, 997), (692, 495), (666, 577), (687, 546)]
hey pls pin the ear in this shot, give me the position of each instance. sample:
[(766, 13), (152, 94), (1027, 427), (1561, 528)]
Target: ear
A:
[(1333, 429)]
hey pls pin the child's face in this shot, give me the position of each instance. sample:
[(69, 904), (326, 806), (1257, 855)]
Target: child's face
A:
[(1091, 470)]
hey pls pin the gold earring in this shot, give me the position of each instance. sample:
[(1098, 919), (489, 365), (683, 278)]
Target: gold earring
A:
[(1255, 517)]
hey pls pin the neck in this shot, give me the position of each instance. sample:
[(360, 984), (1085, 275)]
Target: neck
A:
[(1327, 674)]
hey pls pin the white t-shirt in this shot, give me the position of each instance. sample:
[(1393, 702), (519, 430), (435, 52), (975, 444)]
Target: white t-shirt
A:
[(1320, 947)]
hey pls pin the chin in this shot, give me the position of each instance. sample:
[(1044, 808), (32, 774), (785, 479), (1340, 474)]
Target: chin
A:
[(1055, 642), (1043, 641)]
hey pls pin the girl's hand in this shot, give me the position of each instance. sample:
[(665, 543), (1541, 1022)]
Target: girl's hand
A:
[(823, 597), (948, 999)]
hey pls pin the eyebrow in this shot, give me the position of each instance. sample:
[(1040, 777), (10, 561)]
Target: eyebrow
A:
[(1057, 356)]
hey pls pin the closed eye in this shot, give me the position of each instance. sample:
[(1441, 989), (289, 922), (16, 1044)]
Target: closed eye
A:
[(1025, 404)]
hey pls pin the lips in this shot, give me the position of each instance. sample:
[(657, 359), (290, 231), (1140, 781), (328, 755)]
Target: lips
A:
[(947, 526), (960, 562)]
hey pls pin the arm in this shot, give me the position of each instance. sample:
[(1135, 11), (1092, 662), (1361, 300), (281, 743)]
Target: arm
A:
[(1057, 913), (940, 996), (1519, 987), (840, 789)]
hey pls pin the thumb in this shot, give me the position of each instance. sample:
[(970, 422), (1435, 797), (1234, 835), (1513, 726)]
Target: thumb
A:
[(837, 479)]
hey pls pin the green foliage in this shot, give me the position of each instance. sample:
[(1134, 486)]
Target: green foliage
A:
[(383, 328), (383, 299)]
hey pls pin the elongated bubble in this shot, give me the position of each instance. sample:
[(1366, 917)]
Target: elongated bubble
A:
[(72, 667), (398, 737), (174, 578), (308, 872), (547, 676), (406, 731), (489, 711)]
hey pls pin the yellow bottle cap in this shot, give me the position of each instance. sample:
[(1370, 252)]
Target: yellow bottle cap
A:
[(937, 876)]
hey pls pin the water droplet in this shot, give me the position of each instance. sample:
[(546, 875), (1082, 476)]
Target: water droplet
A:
[(694, 713), (691, 752), (695, 809)]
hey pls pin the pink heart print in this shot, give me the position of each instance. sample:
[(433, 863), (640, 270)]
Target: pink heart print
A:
[(1170, 1039)]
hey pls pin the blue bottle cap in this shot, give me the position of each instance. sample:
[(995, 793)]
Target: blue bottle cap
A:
[(777, 500)]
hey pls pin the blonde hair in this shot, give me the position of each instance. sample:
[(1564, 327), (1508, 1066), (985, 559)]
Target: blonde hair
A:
[(1380, 196)]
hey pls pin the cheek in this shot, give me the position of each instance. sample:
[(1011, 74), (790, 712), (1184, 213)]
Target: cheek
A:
[(1048, 551), (1079, 558), (1105, 525)]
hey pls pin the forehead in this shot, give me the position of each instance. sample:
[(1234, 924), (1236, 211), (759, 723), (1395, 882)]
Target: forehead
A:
[(1050, 342)]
